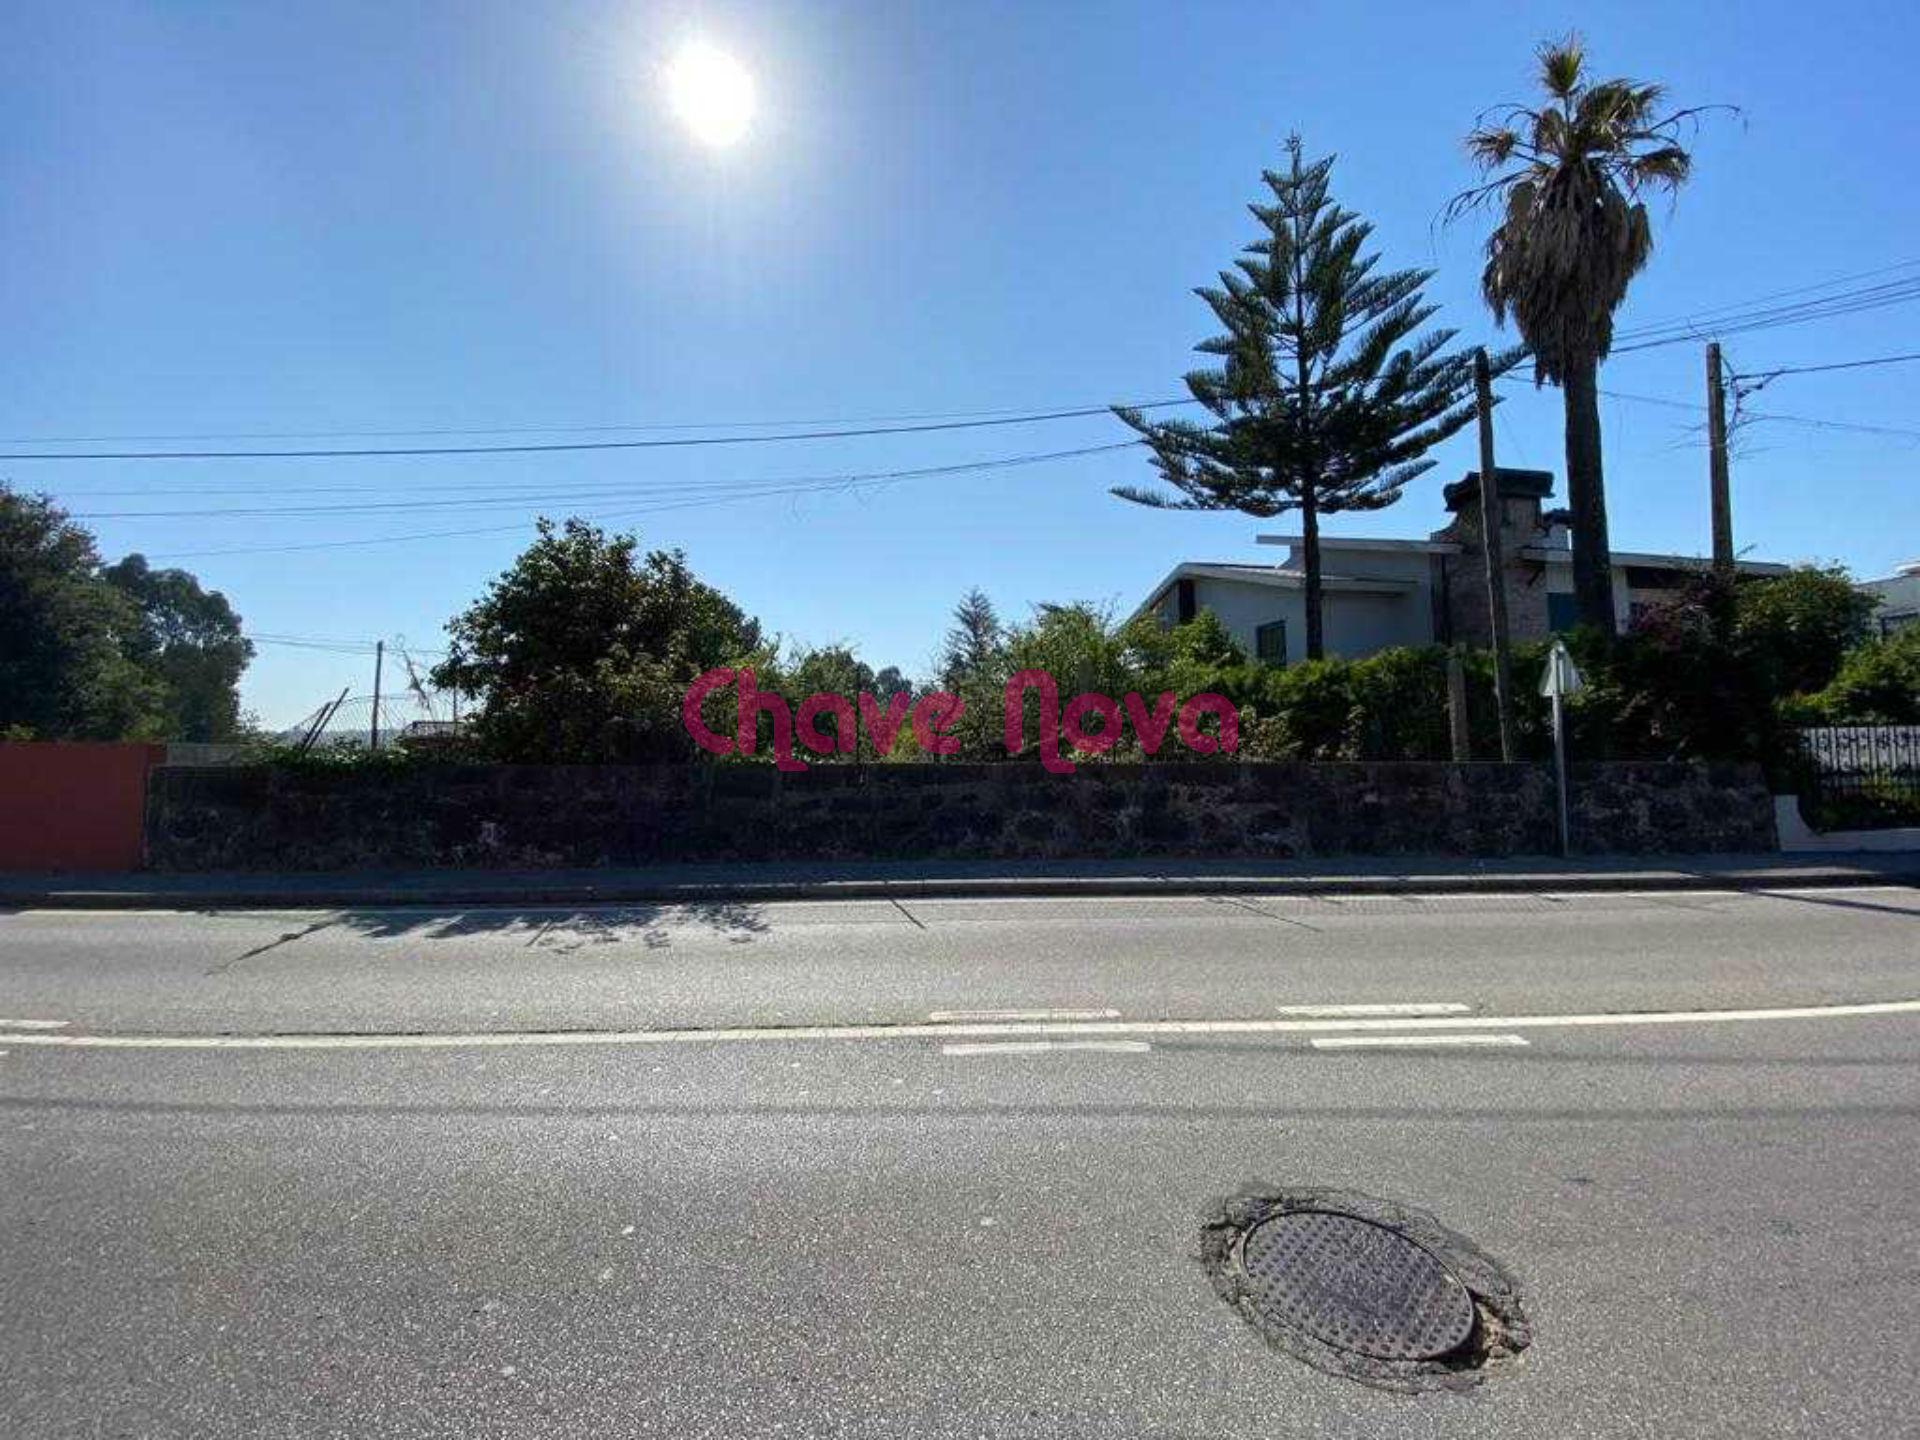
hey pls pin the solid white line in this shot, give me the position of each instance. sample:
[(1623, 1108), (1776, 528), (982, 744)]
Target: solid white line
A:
[(960, 1017), (1034, 1047), (1072, 1029), (1360, 1042), (1408, 1007), (32, 1024)]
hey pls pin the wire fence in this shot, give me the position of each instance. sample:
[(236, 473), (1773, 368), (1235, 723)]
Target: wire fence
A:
[(410, 717)]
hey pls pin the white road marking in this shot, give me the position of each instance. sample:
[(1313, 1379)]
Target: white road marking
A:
[(1360, 1042), (961, 1017), (1034, 1047), (1076, 1029), (1329, 899), (1407, 1007), (33, 1024)]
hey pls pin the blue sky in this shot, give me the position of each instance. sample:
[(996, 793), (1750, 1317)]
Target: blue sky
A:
[(240, 218)]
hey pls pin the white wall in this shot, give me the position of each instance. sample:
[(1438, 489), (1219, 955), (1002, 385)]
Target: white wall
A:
[(1357, 624)]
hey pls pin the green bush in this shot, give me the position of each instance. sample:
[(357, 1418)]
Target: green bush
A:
[(1878, 683)]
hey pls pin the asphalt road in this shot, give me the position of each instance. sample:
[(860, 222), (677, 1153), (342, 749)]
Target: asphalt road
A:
[(435, 1207)]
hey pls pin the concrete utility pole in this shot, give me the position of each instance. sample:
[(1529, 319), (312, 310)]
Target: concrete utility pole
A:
[(373, 730), (1493, 551), (1717, 464), (1459, 738)]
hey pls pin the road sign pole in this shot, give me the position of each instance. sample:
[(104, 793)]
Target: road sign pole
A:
[(1561, 680), (1560, 772)]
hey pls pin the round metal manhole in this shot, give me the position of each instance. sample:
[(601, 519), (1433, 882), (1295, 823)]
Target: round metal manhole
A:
[(1355, 1285)]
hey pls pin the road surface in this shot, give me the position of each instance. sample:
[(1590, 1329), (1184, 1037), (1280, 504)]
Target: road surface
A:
[(866, 1169)]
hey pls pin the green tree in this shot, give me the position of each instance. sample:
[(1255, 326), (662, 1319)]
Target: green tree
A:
[(1878, 683), (1798, 627), (1325, 397), (1568, 178), (65, 635), (891, 680), (834, 670), (189, 640), (583, 649), (973, 643)]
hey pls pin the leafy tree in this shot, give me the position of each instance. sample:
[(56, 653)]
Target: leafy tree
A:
[(1573, 232), (891, 681), (834, 670), (1325, 398), (1078, 644), (1676, 686), (189, 640), (65, 670), (1878, 683), (583, 649), (1189, 659), (1799, 626), (974, 643)]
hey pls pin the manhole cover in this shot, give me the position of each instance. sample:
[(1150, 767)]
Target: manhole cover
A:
[(1355, 1285)]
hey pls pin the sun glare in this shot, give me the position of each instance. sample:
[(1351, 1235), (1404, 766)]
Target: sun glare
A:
[(711, 93)]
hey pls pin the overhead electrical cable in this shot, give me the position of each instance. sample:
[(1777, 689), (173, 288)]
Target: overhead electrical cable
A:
[(739, 490), (572, 446)]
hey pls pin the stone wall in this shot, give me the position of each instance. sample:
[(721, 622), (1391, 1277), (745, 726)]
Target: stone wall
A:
[(508, 815)]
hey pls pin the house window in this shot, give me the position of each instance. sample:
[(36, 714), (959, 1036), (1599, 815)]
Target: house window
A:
[(1270, 642), (1563, 612)]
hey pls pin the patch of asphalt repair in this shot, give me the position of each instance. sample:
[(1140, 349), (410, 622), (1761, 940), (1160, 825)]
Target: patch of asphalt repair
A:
[(1500, 1331)]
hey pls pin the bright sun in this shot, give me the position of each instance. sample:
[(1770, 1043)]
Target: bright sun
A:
[(711, 93)]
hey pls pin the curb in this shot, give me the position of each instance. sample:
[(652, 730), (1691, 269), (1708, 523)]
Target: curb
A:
[(959, 888)]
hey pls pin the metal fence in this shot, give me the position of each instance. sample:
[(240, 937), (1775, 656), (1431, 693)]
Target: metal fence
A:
[(1861, 775)]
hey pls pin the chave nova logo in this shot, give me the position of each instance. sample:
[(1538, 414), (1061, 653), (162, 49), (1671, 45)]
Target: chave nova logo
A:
[(935, 717)]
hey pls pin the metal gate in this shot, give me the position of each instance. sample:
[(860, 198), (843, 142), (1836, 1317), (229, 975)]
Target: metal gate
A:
[(1857, 777)]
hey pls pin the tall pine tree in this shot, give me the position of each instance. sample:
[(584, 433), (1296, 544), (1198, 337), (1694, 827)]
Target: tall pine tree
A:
[(974, 642), (1324, 397)]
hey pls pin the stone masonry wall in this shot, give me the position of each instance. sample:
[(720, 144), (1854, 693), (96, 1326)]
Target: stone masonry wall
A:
[(212, 818)]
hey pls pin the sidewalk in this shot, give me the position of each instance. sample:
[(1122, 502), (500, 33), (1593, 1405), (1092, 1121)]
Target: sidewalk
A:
[(926, 879)]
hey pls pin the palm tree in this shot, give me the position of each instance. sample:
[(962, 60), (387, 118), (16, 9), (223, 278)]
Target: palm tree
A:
[(1569, 177)]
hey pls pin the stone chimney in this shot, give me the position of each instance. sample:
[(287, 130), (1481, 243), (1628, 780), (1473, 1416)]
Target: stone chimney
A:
[(1464, 592)]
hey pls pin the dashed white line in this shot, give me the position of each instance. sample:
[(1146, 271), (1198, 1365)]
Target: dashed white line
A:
[(1366, 1042), (1406, 1007), (963, 1017), (1035, 1047), (33, 1024)]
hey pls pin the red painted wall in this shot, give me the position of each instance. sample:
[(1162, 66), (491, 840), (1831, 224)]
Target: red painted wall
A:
[(73, 805)]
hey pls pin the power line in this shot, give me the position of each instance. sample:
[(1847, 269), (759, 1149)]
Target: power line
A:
[(1775, 416), (342, 647), (414, 451), (1819, 424), (736, 490), (1849, 303), (854, 484), (631, 426), (1698, 316), (1886, 292), (1764, 375)]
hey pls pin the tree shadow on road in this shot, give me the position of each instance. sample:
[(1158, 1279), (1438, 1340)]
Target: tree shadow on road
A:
[(558, 929)]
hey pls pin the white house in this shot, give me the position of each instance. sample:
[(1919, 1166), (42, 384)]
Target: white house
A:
[(1382, 593)]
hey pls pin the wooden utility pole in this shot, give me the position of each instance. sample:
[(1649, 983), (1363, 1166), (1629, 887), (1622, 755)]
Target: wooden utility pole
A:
[(1493, 552), (1717, 464), (373, 730)]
